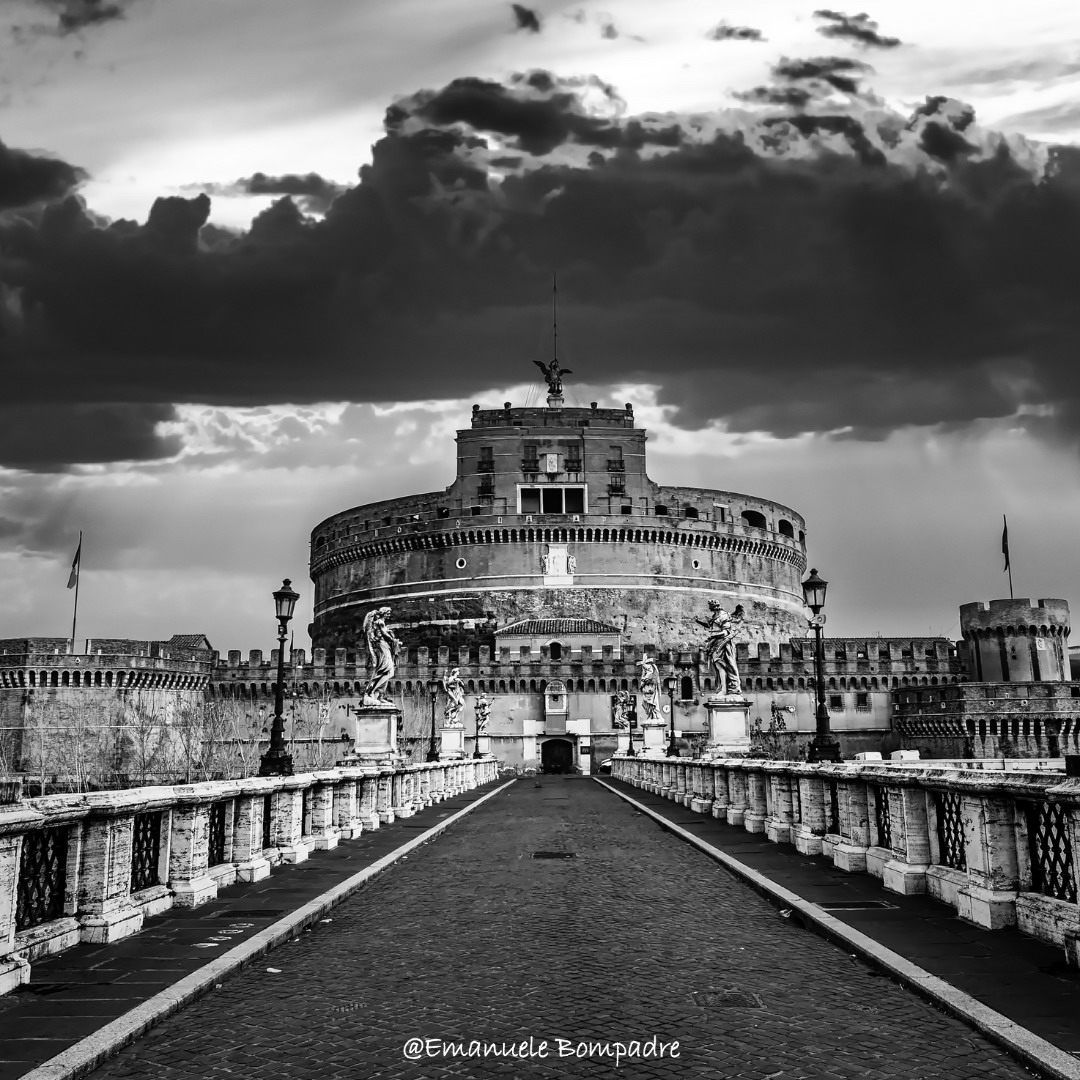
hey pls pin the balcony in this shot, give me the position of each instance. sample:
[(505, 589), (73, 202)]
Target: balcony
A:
[(485, 490), (484, 465), (573, 465), (530, 465), (616, 465), (616, 487)]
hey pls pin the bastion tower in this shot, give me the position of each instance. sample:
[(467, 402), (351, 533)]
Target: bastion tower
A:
[(1017, 641), (553, 516)]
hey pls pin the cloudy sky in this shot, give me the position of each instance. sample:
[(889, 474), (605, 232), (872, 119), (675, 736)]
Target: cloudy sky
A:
[(259, 259)]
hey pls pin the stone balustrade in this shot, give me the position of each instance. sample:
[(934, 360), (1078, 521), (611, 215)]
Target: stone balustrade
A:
[(91, 868), (999, 847)]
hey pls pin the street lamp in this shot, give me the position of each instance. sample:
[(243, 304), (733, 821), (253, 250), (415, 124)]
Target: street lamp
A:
[(824, 746), (433, 690), (669, 685), (277, 761)]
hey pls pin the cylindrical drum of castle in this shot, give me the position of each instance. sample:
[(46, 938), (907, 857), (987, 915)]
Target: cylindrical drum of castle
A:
[(552, 515), (1017, 641)]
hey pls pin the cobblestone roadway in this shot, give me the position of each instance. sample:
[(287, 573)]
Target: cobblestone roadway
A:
[(470, 938)]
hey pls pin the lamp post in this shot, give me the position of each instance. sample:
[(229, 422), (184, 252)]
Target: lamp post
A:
[(277, 761), (824, 746), (669, 686), (631, 720), (433, 690)]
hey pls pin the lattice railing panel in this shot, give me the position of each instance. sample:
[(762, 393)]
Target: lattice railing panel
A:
[(42, 877), (1051, 852), (217, 833), (950, 829), (145, 851), (881, 816)]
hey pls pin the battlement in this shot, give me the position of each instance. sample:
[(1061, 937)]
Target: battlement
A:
[(1015, 615), (593, 416)]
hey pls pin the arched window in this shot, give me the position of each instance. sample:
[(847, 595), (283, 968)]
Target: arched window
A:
[(785, 528), (690, 512), (686, 690), (754, 519), (555, 650)]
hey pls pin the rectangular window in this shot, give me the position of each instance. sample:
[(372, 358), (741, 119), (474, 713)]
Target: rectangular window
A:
[(552, 499), (836, 702), (862, 701)]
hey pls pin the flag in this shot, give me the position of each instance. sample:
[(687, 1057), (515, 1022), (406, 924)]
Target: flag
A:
[(1005, 543), (74, 577)]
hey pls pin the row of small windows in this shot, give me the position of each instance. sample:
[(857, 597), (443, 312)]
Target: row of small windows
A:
[(580, 686), (108, 678), (570, 499)]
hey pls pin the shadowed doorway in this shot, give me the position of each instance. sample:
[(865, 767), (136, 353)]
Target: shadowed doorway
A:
[(557, 756)]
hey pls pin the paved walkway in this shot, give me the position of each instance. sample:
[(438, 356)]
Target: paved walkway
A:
[(636, 939)]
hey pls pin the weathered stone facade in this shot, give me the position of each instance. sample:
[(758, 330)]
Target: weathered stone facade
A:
[(569, 483)]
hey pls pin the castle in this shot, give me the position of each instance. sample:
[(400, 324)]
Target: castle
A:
[(546, 571)]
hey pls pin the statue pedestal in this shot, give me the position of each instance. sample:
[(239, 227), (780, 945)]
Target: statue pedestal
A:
[(655, 736), (373, 729), (729, 726), (483, 744), (453, 743)]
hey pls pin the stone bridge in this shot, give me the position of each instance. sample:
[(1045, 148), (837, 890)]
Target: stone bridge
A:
[(731, 918)]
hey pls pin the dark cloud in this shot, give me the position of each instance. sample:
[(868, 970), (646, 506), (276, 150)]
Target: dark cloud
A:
[(42, 437), (526, 18), (68, 17), (724, 31), (311, 192), (788, 96), (840, 72), (841, 269), (858, 28), (27, 178)]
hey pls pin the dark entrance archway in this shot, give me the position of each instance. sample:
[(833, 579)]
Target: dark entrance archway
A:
[(557, 756)]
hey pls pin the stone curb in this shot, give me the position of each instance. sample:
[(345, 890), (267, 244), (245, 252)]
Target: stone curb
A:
[(88, 1053), (1048, 1059)]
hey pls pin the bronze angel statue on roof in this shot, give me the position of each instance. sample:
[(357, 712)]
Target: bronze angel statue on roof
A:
[(553, 375)]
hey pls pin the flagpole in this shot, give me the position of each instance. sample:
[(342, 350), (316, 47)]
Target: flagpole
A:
[(1005, 551), (75, 612)]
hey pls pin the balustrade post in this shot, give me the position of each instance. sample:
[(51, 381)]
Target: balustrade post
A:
[(399, 795), (756, 803), (781, 822), (249, 856), (288, 823), (369, 790), (703, 791), (905, 872), (106, 910), (14, 965), (324, 831), (849, 853), (423, 782), (810, 832), (347, 807), (736, 808), (384, 798), (721, 794), (680, 793), (189, 850), (989, 898)]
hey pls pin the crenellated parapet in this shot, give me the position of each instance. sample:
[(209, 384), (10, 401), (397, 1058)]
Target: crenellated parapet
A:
[(46, 663), (1016, 640)]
